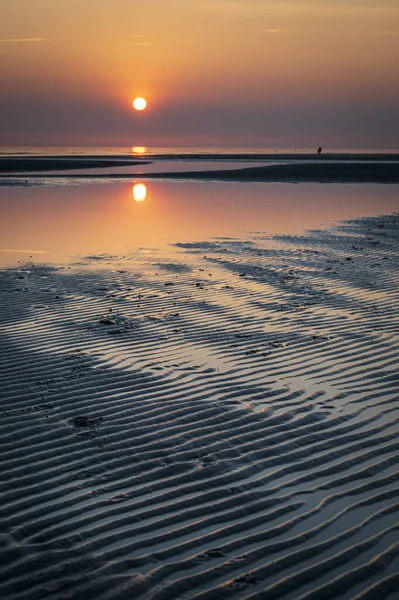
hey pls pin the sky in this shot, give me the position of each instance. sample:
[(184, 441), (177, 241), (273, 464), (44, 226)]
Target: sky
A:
[(216, 73)]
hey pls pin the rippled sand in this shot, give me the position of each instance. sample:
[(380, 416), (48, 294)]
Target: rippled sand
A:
[(219, 425)]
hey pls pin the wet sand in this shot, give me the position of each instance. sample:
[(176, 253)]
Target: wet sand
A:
[(317, 172), (223, 424), (17, 165), (337, 168)]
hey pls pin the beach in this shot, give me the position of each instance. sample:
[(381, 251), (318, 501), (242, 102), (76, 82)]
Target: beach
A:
[(214, 419), (199, 324), (251, 167), (292, 173), (23, 164)]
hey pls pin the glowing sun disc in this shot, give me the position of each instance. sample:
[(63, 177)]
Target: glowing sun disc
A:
[(139, 104), (139, 149)]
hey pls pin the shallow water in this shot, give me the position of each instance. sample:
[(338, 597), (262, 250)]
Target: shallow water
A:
[(217, 418), (56, 223)]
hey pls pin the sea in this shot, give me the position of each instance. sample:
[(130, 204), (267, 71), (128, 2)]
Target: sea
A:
[(178, 151)]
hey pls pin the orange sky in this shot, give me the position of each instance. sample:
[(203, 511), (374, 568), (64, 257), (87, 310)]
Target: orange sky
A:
[(215, 72)]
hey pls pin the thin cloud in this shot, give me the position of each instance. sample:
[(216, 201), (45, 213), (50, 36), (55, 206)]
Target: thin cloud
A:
[(322, 7), (136, 44), (275, 31), (22, 40), (24, 251), (383, 33), (354, 3)]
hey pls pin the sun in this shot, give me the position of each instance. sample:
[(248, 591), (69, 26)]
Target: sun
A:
[(139, 150), (139, 104)]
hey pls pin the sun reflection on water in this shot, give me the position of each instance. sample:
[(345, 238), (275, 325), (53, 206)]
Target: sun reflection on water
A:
[(139, 192)]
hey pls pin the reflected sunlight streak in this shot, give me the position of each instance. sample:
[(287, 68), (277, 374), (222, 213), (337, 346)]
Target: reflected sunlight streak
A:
[(139, 192)]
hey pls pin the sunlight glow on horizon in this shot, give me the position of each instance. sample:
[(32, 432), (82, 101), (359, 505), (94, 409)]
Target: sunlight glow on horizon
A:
[(139, 149), (264, 73)]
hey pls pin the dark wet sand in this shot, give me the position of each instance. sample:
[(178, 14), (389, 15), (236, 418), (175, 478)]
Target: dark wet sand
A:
[(318, 171), (52, 163), (292, 173), (240, 156)]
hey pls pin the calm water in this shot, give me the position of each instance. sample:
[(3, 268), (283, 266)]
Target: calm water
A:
[(170, 152), (56, 223)]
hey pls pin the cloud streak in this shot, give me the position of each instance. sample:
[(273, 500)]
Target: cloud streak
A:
[(323, 7), (376, 33), (22, 40), (136, 44), (24, 251), (275, 31)]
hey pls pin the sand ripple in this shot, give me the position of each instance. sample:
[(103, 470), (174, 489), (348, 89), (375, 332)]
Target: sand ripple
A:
[(219, 425)]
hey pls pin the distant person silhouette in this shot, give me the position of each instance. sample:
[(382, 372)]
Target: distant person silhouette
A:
[(319, 150)]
